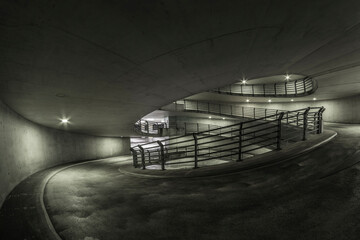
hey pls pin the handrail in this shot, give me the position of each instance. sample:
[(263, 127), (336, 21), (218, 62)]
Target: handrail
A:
[(224, 110), (296, 88), (256, 134)]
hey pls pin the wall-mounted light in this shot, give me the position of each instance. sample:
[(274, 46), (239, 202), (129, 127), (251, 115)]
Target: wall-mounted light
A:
[(269, 100), (247, 100), (64, 121)]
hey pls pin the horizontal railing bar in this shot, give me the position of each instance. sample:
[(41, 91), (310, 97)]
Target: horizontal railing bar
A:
[(218, 140), (221, 145), (223, 150), (259, 130), (265, 134)]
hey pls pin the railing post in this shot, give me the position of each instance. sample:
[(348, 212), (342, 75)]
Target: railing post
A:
[(254, 113), (297, 119), (320, 121), (197, 106), (149, 155), (195, 151), (162, 155), (240, 143), (305, 123), (185, 127), (275, 89), (278, 139), (285, 88), (242, 109), (265, 113), (135, 161), (253, 92), (231, 112), (142, 157), (264, 89), (295, 87)]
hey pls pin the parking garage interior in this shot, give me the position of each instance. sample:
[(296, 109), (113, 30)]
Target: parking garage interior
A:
[(179, 119)]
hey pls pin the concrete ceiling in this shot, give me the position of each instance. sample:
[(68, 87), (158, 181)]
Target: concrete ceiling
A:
[(106, 64)]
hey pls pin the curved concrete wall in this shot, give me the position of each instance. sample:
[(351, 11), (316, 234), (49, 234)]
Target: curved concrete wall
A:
[(342, 110), (26, 148)]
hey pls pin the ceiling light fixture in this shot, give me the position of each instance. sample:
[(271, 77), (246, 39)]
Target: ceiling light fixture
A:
[(64, 120), (247, 100), (292, 100), (269, 100), (223, 118), (287, 77), (210, 117), (314, 98), (244, 81)]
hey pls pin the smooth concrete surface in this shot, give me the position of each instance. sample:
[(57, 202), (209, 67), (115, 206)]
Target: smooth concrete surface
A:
[(27, 147), (314, 196)]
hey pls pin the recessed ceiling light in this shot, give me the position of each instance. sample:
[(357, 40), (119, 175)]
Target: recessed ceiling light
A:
[(287, 77), (314, 98), (243, 81), (247, 100), (64, 120), (292, 100), (223, 118), (209, 116), (269, 100)]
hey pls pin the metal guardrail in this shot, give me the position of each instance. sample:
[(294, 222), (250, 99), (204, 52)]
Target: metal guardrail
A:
[(233, 141), (224, 110), (297, 88)]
